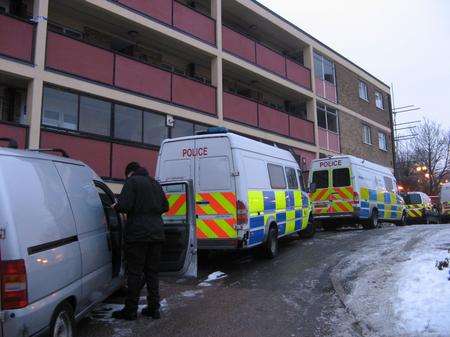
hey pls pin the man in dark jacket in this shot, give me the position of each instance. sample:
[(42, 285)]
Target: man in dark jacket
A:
[(143, 201)]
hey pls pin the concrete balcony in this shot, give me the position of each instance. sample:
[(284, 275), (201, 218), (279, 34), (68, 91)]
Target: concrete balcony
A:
[(254, 52), (16, 38), (250, 112), (100, 65), (14, 131), (177, 15), (329, 140)]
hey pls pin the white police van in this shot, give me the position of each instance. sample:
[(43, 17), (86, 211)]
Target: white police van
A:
[(248, 193), (60, 243), (347, 189)]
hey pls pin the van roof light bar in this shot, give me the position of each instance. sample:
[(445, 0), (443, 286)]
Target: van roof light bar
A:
[(61, 151), (12, 143), (213, 130)]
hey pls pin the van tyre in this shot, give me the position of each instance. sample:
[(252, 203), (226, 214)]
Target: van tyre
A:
[(403, 220), (309, 231), (372, 222), (63, 321), (271, 245)]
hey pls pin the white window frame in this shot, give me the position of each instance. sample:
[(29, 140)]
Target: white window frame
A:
[(382, 145), (363, 91), (379, 103), (322, 65), (327, 111), (367, 134)]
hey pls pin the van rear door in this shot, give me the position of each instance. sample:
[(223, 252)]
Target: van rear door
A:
[(215, 188), (179, 255), (341, 197)]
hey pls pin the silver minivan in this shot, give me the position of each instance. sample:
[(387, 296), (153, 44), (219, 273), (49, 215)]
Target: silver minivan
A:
[(60, 243)]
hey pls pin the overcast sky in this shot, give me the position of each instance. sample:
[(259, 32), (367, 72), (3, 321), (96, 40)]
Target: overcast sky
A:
[(404, 42)]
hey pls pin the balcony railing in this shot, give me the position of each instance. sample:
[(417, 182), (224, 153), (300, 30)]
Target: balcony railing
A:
[(14, 131), (93, 63), (246, 111), (106, 158), (177, 15), (326, 90), (329, 140), (254, 52), (16, 38)]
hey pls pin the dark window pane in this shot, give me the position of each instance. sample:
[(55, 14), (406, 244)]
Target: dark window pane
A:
[(332, 122), (341, 177), (328, 71), (291, 178), (412, 199), (318, 66), (127, 123), (321, 118), (320, 178), (95, 116), (303, 177), (182, 129), (276, 175), (60, 109), (155, 130)]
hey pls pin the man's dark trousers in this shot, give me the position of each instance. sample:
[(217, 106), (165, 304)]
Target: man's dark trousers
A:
[(142, 259)]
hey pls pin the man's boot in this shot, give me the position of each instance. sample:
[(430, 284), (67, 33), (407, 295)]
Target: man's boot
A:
[(125, 315), (153, 313)]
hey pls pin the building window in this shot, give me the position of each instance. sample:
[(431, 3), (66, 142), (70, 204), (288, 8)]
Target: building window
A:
[(379, 100), (60, 109), (182, 128), (367, 135), (127, 123), (327, 118), (382, 141), (324, 69), (155, 130), (95, 116), (363, 93)]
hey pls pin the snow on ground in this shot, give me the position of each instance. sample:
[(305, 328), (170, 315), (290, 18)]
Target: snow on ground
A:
[(392, 286), (192, 293), (217, 275), (423, 291)]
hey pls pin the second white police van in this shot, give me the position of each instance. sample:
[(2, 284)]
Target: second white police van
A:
[(248, 193), (346, 189)]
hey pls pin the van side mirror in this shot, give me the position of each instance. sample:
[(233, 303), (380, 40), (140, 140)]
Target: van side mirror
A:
[(312, 187)]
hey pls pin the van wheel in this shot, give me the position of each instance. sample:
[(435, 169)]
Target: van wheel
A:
[(402, 221), (63, 321), (327, 227), (372, 222), (309, 231), (271, 245)]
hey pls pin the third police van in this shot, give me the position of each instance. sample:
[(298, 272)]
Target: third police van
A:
[(346, 189), (248, 194)]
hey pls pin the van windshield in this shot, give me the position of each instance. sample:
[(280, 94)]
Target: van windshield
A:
[(320, 178), (412, 199)]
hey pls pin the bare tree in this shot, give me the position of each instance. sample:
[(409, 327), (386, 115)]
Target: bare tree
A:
[(429, 150)]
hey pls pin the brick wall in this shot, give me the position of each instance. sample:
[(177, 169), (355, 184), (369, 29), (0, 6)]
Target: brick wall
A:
[(348, 96), (352, 141)]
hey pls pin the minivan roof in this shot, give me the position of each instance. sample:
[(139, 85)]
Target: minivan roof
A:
[(358, 161), (44, 156), (242, 143)]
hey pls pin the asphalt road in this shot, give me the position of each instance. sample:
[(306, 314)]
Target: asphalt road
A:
[(292, 295)]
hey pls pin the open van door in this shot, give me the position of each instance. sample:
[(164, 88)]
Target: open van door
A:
[(179, 254)]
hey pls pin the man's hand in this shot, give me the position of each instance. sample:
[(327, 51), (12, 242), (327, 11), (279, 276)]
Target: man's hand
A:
[(113, 206)]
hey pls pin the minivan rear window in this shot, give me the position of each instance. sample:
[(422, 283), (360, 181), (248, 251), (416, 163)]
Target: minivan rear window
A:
[(291, 178), (276, 176), (320, 178), (341, 177)]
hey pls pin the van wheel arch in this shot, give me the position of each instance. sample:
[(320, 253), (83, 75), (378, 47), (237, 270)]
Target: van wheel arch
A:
[(63, 317), (372, 222)]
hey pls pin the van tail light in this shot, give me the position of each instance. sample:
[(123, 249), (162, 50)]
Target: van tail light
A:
[(242, 215), (14, 284), (355, 198)]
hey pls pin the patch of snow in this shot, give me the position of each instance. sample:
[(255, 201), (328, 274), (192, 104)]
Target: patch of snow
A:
[(191, 293), (217, 275), (204, 284), (424, 292), (122, 332)]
